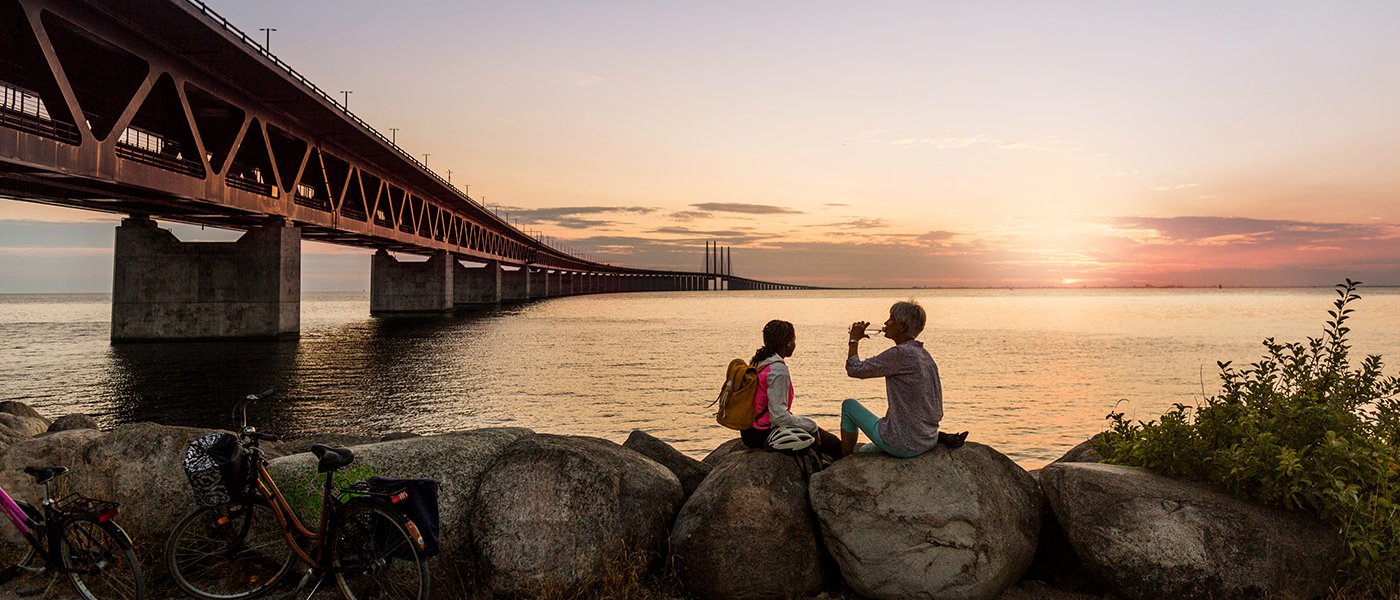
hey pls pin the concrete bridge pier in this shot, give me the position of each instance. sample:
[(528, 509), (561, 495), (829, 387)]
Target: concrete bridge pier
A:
[(411, 287), (165, 289), (474, 286), (515, 285)]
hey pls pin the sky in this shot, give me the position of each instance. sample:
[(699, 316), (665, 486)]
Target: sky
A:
[(865, 144)]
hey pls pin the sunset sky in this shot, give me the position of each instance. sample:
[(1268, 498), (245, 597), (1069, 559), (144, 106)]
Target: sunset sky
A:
[(866, 144)]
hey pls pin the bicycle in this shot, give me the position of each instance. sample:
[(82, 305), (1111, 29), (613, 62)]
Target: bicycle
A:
[(244, 548), (77, 537)]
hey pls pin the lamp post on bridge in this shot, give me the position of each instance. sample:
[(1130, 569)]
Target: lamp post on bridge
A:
[(346, 104), (267, 39), (425, 159), (394, 136)]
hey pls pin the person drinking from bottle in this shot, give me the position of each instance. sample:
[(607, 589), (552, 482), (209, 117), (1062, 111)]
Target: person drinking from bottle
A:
[(912, 387)]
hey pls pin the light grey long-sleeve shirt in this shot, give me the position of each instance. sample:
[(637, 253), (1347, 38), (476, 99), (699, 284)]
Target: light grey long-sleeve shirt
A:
[(779, 388), (914, 391)]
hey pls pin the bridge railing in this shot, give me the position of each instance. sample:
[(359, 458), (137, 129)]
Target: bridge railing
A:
[(252, 43)]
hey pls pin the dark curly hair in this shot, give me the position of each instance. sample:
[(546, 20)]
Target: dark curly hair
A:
[(776, 335)]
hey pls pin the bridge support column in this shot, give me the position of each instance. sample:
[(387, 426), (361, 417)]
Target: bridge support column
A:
[(410, 287), (515, 285), (476, 285), (165, 289)]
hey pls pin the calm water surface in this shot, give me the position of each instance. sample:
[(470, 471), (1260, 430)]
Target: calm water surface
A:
[(1029, 372)]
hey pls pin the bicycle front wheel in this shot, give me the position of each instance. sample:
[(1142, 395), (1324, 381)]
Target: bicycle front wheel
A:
[(227, 553), (99, 561), (374, 557)]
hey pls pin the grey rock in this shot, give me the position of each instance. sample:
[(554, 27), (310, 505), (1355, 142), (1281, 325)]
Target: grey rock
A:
[(73, 421), (946, 524), (1146, 536), (559, 515), (455, 460), (725, 449), (399, 435), (688, 470), (748, 532)]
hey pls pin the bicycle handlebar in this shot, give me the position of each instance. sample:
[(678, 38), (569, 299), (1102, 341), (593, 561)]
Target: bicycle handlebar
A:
[(263, 437)]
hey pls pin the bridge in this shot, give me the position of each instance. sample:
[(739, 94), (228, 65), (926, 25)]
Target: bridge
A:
[(162, 109)]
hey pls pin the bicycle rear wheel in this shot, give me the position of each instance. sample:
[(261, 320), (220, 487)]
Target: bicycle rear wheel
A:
[(99, 561), (227, 553), (374, 557)]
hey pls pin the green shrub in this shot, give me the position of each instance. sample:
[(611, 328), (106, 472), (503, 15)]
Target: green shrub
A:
[(1301, 428)]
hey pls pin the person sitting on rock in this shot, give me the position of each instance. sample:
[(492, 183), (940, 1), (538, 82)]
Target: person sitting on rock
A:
[(776, 426), (912, 387)]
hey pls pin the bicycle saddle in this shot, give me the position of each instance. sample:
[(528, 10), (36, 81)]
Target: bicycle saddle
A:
[(43, 475), (331, 458)]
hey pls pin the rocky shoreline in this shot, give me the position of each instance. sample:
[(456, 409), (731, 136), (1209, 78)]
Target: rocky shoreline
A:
[(531, 515)]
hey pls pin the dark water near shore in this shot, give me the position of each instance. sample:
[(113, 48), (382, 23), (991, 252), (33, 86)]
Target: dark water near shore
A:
[(1030, 372)]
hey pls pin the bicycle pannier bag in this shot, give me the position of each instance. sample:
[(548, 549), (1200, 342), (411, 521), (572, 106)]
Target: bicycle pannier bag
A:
[(735, 398), (420, 506), (217, 469)]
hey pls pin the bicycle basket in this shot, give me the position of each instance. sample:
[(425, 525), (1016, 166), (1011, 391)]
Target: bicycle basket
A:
[(417, 501), (217, 469)]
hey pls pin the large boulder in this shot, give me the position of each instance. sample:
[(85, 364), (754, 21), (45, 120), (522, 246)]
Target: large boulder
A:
[(945, 524), (748, 531), (139, 466), (560, 515), (455, 460), (688, 470), (1148, 536)]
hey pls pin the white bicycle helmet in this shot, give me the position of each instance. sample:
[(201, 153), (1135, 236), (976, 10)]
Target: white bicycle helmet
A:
[(789, 438)]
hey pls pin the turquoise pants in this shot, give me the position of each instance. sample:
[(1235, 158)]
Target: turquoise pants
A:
[(855, 416)]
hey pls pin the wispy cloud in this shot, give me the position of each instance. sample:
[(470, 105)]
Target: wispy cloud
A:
[(1178, 186), (570, 77), (747, 209), (958, 142), (861, 223), (690, 215), (572, 217)]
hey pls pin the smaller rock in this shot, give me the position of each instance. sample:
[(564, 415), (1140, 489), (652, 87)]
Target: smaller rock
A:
[(1085, 452), (20, 409), (73, 421), (14, 428), (690, 471)]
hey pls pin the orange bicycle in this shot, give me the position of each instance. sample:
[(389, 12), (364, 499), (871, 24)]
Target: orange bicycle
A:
[(242, 548)]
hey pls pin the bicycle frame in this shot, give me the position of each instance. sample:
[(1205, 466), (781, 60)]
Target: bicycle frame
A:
[(290, 522), (16, 515)]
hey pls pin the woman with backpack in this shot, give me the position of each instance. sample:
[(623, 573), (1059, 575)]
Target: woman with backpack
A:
[(776, 427), (912, 386)]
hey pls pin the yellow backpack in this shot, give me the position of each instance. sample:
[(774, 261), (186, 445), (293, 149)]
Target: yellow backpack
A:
[(735, 399)]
